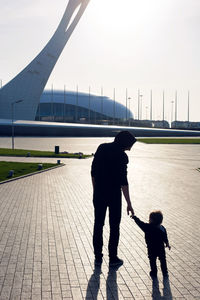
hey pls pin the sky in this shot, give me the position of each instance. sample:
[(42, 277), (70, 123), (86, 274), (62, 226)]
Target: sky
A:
[(129, 44)]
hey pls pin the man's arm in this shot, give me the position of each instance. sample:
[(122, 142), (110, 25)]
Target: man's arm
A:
[(95, 164), (125, 190), (93, 182)]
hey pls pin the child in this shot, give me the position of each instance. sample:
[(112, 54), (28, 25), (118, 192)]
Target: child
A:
[(156, 239)]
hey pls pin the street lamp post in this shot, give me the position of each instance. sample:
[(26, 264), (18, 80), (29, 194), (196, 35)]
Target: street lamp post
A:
[(175, 106), (188, 117), (101, 104), (12, 115), (172, 102), (129, 114), (64, 105), (89, 112), (151, 105), (140, 98), (163, 109), (138, 105), (114, 108), (146, 112), (126, 105), (76, 111)]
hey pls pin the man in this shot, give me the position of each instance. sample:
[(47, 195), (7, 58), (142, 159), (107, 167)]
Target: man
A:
[(109, 177)]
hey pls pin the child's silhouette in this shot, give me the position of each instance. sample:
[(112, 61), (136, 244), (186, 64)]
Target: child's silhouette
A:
[(156, 240)]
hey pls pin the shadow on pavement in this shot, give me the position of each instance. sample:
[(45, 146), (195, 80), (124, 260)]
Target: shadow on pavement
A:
[(93, 284), (111, 284), (156, 294)]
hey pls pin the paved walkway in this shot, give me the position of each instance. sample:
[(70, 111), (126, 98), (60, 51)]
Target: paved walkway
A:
[(46, 224)]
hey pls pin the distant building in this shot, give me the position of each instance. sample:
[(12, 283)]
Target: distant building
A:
[(78, 107), (185, 125), (149, 123), (160, 124)]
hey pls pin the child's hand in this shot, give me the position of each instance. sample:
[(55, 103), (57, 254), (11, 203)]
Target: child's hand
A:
[(132, 216), (168, 246)]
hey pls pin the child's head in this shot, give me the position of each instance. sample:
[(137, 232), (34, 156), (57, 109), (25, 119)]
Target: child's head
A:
[(156, 217)]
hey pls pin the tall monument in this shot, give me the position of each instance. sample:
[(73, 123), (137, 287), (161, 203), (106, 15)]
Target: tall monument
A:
[(29, 84)]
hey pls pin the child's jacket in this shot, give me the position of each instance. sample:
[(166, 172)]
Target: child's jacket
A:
[(155, 237)]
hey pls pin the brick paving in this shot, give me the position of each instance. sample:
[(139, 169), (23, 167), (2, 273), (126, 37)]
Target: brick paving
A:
[(46, 224)]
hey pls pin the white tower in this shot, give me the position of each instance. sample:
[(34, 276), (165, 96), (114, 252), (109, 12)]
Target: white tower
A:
[(29, 84)]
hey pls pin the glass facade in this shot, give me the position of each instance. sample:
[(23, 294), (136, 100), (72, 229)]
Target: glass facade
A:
[(73, 107)]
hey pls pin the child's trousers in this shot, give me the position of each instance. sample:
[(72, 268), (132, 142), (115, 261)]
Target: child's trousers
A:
[(163, 264)]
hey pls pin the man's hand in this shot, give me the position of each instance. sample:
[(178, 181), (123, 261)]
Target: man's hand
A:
[(125, 190), (169, 247), (130, 209)]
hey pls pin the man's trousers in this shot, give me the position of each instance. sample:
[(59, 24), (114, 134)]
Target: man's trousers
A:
[(102, 201)]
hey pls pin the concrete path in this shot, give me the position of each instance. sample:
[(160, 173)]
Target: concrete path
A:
[(46, 224)]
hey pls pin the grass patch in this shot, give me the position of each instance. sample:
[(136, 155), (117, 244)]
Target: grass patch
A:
[(19, 169), (36, 153), (169, 140)]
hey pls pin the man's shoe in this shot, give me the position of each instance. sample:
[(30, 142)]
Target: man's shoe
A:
[(115, 262)]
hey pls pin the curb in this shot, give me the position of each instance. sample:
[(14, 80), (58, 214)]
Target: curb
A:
[(34, 173), (74, 157)]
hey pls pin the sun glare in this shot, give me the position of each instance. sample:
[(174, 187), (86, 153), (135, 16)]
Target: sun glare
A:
[(118, 13)]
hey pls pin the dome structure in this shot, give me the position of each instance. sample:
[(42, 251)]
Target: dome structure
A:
[(69, 106)]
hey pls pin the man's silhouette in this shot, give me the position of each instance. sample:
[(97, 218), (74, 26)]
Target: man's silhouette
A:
[(109, 177)]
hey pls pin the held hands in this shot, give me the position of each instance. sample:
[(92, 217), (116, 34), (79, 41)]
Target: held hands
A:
[(168, 246), (130, 209)]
